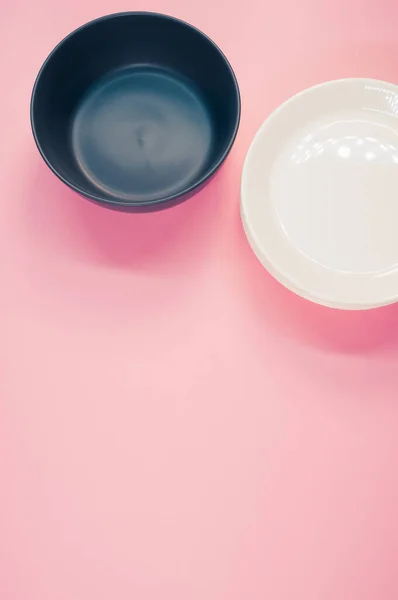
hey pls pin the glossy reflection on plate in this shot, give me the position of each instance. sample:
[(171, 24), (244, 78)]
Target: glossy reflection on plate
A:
[(319, 197)]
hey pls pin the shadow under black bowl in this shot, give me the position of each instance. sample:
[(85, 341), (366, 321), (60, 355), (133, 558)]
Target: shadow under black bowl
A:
[(135, 111)]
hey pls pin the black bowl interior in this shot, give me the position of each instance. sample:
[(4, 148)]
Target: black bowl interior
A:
[(135, 108)]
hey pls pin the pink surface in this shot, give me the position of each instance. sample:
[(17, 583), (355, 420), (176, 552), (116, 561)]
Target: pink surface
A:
[(173, 423)]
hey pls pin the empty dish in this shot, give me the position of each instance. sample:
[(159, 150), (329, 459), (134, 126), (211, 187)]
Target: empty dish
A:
[(319, 194), (135, 111)]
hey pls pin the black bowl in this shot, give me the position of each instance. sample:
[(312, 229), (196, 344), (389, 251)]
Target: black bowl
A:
[(135, 111)]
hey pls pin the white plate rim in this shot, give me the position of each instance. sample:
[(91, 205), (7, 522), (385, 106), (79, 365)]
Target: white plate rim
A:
[(301, 293)]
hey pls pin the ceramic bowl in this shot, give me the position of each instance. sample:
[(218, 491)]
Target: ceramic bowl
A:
[(319, 195), (135, 111)]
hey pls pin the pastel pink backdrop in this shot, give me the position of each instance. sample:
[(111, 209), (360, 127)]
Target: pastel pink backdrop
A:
[(173, 423)]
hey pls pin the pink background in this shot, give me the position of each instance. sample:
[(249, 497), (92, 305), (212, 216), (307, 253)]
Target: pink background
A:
[(173, 423)]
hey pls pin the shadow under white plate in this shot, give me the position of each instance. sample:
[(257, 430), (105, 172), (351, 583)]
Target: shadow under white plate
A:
[(319, 197)]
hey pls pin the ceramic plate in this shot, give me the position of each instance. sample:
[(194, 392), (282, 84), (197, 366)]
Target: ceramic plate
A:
[(319, 197)]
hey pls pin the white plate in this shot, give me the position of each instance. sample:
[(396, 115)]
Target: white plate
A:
[(319, 197)]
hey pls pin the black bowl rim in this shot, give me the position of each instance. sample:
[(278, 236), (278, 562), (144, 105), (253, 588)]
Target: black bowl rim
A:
[(164, 199)]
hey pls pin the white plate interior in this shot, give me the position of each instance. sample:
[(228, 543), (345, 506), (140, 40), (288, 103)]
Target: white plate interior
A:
[(320, 193)]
